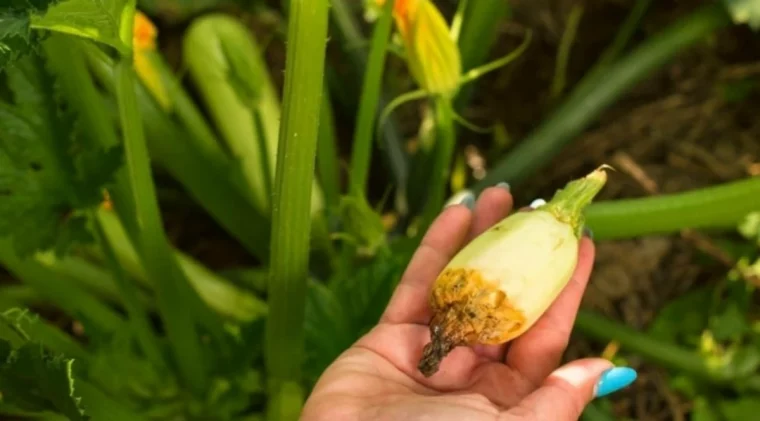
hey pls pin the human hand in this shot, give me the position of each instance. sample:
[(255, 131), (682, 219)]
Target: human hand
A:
[(377, 378)]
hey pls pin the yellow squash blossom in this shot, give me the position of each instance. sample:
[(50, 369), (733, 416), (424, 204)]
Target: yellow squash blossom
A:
[(144, 44), (431, 51)]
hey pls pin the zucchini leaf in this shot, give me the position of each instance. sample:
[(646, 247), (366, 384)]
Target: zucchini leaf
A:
[(16, 37), (33, 378), (338, 315), (99, 20), (48, 174)]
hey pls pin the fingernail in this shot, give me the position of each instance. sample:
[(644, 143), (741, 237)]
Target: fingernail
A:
[(469, 201), (464, 197), (613, 380), (537, 203), (503, 185), (588, 233)]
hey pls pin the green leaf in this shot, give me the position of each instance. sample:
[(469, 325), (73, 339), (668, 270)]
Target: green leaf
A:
[(326, 329), (731, 324), (47, 175), (744, 11), (99, 20), (16, 38), (683, 317), (35, 379)]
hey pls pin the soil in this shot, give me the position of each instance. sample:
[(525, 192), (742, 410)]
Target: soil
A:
[(673, 132)]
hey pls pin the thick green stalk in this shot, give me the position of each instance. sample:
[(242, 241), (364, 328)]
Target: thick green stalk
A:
[(656, 351), (719, 207), (594, 95), (173, 290), (443, 152), (291, 221), (370, 95)]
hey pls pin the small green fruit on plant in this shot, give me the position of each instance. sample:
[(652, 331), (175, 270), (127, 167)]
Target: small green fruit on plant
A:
[(497, 286)]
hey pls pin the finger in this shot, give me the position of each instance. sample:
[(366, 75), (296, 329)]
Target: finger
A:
[(444, 238), (494, 204), (565, 393), (539, 350)]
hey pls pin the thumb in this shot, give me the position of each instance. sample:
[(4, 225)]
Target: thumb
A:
[(565, 393)]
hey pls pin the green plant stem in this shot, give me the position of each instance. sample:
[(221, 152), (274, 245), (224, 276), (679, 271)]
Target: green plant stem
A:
[(217, 188), (443, 152), (480, 30), (19, 296), (328, 163), (217, 293), (370, 95), (138, 314), (669, 355), (390, 139), (563, 53), (172, 289), (594, 94), (92, 277), (187, 112), (718, 207), (76, 302), (623, 36), (291, 221)]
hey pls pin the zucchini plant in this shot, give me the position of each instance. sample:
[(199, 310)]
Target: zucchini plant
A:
[(91, 112)]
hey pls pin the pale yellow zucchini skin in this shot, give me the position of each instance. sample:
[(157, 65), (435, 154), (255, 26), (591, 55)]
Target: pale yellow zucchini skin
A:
[(528, 256), (500, 284)]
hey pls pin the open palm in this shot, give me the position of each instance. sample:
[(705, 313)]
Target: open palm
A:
[(377, 378)]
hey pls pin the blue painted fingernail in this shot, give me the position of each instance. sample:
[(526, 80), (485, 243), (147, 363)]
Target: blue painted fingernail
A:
[(613, 380), (503, 185), (469, 201), (537, 203), (464, 197), (588, 233)]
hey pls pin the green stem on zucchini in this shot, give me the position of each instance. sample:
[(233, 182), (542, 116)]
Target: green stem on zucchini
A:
[(172, 289), (328, 162), (74, 301), (669, 355), (291, 216), (368, 103), (138, 314), (594, 94), (443, 151), (719, 207)]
